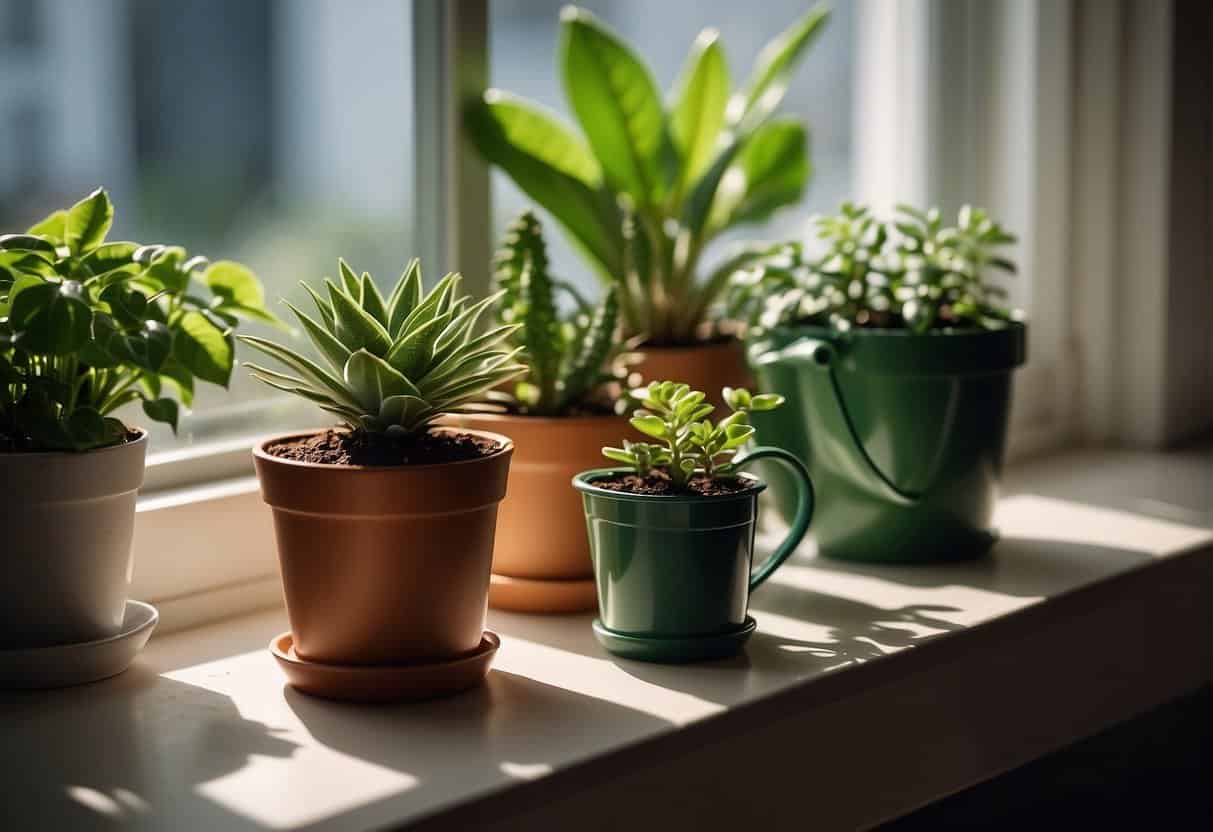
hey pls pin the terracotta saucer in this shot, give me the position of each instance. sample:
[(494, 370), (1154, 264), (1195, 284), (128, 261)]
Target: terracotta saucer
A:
[(676, 650), (385, 683), (534, 595), (61, 665)]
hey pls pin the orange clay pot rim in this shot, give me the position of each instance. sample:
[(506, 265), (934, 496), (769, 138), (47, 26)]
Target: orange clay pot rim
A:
[(507, 446), (552, 420), (714, 344)]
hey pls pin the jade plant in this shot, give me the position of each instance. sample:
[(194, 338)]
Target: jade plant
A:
[(395, 363), (691, 445), (650, 184), (913, 272), (572, 359), (87, 326)]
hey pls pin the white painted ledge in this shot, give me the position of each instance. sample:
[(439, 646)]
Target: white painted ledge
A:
[(867, 692)]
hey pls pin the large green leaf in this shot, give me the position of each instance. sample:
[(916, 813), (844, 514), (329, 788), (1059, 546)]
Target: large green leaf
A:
[(238, 290), (27, 242), (50, 318), (702, 93), (110, 256), (773, 70), (53, 228), (203, 348), (616, 102), (538, 132), (769, 172), (588, 214), (88, 221)]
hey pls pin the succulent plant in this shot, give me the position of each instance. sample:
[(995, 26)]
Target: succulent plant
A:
[(570, 358), (691, 444), (648, 184), (913, 273), (87, 326), (395, 364)]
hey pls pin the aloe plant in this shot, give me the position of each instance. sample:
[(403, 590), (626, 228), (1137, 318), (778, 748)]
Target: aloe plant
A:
[(691, 445), (649, 184), (87, 326), (572, 358), (913, 272), (395, 364)]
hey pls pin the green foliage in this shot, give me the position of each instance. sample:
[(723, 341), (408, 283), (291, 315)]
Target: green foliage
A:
[(913, 273), (395, 364), (676, 415), (571, 359), (88, 326), (647, 185)]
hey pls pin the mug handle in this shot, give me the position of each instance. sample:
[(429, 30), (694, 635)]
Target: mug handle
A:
[(804, 507)]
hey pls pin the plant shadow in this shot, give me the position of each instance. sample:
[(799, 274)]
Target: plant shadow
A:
[(512, 725), (129, 751)]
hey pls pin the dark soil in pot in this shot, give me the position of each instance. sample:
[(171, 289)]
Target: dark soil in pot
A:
[(657, 483), (333, 447)]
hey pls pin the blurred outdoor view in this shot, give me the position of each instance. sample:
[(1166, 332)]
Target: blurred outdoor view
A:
[(280, 132)]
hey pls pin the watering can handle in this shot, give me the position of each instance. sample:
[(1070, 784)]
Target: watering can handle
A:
[(820, 354)]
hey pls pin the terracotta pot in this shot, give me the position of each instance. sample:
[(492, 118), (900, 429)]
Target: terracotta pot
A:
[(541, 561), (385, 565), (707, 367), (68, 519)]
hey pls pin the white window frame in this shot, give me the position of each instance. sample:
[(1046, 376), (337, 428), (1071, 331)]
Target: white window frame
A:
[(993, 119)]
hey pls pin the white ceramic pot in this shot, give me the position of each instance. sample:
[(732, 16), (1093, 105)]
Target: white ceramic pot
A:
[(66, 521)]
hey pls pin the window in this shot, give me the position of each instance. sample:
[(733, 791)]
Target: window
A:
[(522, 54), (279, 134)]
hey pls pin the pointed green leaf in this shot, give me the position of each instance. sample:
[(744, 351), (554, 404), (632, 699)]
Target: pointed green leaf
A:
[(769, 172), (372, 379), (354, 327), (349, 280), (405, 297), (616, 102), (53, 228), (699, 105), (773, 70), (88, 221), (333, 350), (203, 348), (373, 302), (310, 370)]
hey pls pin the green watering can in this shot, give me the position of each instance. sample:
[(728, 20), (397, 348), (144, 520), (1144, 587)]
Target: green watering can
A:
[(902, 433)]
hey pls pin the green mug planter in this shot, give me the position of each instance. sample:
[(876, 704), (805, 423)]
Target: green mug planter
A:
[(897, 368), (672, 534)]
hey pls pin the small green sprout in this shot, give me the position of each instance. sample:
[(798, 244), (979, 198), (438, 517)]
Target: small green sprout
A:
[(691, 444)]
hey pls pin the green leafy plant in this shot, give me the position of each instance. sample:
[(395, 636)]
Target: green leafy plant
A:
[(395, 364), (649, 185), (571, 359), (691, 445), (913, 273), (87, 326)]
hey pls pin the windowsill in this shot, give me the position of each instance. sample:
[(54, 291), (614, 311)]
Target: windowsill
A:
[(1093, 608)]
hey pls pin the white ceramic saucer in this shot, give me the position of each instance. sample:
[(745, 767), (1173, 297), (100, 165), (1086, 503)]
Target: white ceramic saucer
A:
[(75, 664)]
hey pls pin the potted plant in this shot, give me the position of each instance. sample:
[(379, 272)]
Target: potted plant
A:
[(895, 354), (385, 525), (672, 534), (559, 415), (651, 185), (87, 326)]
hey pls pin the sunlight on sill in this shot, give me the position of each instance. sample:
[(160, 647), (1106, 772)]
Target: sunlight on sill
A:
[(1066, 521), (603, 679), (281, 750)]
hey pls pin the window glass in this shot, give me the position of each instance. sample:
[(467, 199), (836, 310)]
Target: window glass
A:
[(523, 36), (274, 133)]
